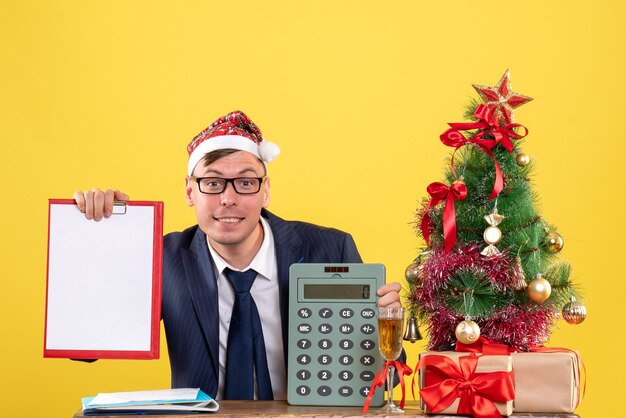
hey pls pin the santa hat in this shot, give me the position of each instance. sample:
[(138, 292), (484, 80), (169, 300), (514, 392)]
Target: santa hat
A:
[(233, 131)]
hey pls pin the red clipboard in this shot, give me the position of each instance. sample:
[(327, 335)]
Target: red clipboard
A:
[(103, 285)]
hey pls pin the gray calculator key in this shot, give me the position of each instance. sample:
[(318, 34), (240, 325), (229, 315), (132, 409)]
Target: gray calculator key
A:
[(346, 329), (368, 360), (346, 344), (304, 343), (346, 313), (345, 391), (368, 313), (367, 344), (326, 313), (304, 328), (304, 359), (303, 374), (345, 375), (347, 360), (367, 329), (326, 328), (364, 390), (367, 375), (324, 375), (325, 344), (324, 390), (305, 313), (324, 359), (303, 390)]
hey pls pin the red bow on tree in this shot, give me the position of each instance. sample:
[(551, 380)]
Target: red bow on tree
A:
[(488, 125), (438, 193), (477, 391)]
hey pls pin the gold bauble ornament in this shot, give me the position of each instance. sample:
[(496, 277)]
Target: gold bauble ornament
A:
[(553, 242), (467, 332), (522, 159), (412, 272), (574, 312), (539, 289)]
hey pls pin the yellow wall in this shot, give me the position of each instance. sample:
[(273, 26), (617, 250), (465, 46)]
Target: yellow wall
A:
[(356, 94)]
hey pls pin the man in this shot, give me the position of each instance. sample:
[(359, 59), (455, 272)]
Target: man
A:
[(203, 266)]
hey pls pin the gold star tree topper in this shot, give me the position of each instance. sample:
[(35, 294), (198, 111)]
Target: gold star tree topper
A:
[(501, 98)]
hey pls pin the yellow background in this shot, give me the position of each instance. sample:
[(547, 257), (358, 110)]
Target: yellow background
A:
[(356, 93)]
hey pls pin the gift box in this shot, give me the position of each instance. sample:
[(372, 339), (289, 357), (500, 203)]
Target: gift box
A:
[(465, 383), (546, 381)]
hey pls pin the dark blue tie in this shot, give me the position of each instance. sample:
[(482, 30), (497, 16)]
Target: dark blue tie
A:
[(245, 352)]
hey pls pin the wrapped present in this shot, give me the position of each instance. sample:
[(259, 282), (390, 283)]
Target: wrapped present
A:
[(547, 381), (466, 384)]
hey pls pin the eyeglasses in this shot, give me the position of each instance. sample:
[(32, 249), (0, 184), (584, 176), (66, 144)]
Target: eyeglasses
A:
[(217, 185)]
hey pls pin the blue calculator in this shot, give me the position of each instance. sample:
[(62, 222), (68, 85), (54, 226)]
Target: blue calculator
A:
[(333, 334)]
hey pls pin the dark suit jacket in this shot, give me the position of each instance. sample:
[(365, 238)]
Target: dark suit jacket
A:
[(190, 311)]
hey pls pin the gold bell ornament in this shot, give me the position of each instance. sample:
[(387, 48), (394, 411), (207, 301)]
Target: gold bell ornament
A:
[(539, 289), (492, 234), (412, 331), (574, 312)]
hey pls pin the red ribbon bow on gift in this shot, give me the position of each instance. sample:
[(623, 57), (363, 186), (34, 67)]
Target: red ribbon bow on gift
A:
[(438, 193), (485, 346), (477, 391), (381, 378), (488, 125)]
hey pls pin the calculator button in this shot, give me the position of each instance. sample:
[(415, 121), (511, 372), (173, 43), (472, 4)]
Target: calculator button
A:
[(304, 328), (304, 343), (364, 390), (345, 375), (304, 359), (325, 313), (326, 328), (367, 360), (345, 391), (325, 359), (346, 359), (346, 344), (303, 390), (367, 344), (325, 344), (367, 375), (368, 313), (367, 328), (346, 313), (324, 375), (304, 313), (346, 329), (303, 374), (324, 391)]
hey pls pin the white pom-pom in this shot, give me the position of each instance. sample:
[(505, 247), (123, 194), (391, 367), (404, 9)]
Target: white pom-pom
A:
[(268, 151)]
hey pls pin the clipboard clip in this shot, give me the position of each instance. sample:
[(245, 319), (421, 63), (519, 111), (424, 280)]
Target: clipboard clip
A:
[(119, 208)]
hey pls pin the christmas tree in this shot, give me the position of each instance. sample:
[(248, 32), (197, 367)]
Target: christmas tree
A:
[(491, 263)]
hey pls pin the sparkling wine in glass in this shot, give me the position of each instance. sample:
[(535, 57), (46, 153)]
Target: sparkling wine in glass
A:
[(390, 324)]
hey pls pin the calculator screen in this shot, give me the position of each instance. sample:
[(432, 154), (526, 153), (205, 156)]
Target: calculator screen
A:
[(336, 291)]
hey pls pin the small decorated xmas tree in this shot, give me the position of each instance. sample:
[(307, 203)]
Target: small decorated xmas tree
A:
[(490, 267)]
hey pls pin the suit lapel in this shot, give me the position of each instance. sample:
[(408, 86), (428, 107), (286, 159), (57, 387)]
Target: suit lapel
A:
[(290, 249), (203, 289)]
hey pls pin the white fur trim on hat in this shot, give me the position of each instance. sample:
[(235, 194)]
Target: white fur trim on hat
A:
[(266, 152)]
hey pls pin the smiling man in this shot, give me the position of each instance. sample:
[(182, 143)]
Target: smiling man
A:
[(226, 279)]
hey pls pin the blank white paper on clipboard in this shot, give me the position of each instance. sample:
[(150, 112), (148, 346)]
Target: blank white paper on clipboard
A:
[(104, 282)]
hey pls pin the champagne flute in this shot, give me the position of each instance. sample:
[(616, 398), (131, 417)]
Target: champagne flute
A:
[(390, 324)]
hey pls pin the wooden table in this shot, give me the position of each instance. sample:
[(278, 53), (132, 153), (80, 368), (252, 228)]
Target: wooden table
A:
[(280, 409)]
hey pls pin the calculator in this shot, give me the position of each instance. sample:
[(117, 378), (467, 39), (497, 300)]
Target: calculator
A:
[(333, 334)]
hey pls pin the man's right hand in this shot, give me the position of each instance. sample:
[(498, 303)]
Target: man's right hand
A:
[(96, 203)]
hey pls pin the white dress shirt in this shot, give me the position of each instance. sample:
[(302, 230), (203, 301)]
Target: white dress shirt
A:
[(265, 293)]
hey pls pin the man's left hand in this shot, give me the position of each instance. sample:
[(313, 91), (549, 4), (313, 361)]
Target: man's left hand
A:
[(389, 295)]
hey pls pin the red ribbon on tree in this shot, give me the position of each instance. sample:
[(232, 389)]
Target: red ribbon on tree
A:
[(381, 377), (438, 193), (477, 391), (488, 125)]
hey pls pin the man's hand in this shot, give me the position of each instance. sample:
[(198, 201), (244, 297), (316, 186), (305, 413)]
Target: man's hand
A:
[(389, 295), (96, 204)]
